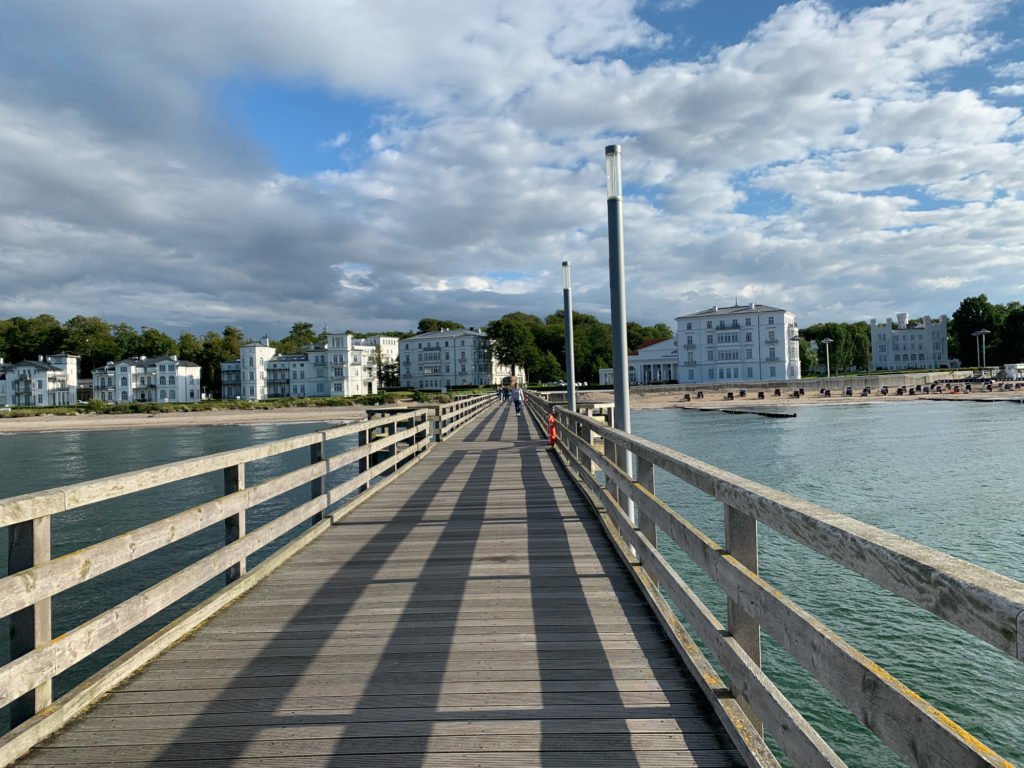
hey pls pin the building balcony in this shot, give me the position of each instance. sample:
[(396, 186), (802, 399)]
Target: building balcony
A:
[(771, 341)]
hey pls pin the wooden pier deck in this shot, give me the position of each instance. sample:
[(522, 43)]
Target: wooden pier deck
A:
[(471, 613)]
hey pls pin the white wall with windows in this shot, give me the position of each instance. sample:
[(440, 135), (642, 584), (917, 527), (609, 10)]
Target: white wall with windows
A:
[(447, 358), (749, 342), (49, 380), (902, 345), (164, 379)]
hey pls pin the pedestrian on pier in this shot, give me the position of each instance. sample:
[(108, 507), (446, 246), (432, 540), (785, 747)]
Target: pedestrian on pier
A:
[(518, 397)]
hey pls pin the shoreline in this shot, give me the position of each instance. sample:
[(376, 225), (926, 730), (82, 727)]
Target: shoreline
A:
[(343, 414)]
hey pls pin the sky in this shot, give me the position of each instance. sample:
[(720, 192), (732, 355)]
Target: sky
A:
[(189, 165)]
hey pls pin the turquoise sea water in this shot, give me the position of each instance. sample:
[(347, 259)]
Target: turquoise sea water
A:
[(948, 475), (35, 462), (945, 474)]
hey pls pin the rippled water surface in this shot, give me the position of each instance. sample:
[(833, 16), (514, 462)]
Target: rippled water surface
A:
[(948, 475)]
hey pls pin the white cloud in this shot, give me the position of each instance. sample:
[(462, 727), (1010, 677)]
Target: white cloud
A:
[(821, 157)]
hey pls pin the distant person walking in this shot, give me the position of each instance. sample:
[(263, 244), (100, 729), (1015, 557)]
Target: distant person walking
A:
[(518, 397)]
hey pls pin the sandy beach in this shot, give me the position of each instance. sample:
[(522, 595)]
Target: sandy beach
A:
[(644, 399)]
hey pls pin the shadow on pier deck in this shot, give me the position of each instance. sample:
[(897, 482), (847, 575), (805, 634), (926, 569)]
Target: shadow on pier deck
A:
[(471, 613)]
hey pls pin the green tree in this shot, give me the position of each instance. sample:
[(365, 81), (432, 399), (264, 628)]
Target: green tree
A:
[(91, 339), (513, 342), (975, 313), (127, 339), (430, 325), (154, 343), (301, 337), (189, 348), (26, 338), (1011, 342)]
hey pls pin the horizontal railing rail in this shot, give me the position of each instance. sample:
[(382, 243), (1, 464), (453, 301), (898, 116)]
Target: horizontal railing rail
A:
[(387, 444), (985, 604)]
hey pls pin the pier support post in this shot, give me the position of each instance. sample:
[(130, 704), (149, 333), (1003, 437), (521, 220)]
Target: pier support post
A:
[(234, 526), (741, 543), (31, 627)]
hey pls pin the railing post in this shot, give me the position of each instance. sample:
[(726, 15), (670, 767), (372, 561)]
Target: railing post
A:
[(741, 543), (318, 485), (234, 526), (365, 436), (28, 544), (645, 478)]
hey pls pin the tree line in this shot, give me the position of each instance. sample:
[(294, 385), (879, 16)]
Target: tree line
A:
[(518, 338)]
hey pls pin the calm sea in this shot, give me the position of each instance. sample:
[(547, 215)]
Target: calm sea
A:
[(944, 474), (948, 475)]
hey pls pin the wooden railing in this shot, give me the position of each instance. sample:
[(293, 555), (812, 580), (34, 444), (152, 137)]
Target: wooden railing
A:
[(388, 443), (985, 604)]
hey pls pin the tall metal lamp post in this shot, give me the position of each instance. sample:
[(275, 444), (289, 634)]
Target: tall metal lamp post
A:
[(980, 356), (617, 283), (828, 365), (570, 351)]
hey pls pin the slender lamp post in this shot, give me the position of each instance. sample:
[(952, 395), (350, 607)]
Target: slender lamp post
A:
[(828, 365), (617, 281), (980, 356), (570, 351)]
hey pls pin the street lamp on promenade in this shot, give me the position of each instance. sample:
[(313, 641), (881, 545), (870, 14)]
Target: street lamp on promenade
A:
[(980, 356), (828, 365), (570, 351)]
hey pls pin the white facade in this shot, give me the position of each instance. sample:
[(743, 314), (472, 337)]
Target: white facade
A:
[(164, 379), (899, 346), (344, 367), (246, 377), (441, 359), (655, 363), (386, 345), (50, 380), (750, 342)]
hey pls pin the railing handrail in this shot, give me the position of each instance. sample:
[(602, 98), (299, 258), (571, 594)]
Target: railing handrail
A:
[(388, 444), (986, 604)]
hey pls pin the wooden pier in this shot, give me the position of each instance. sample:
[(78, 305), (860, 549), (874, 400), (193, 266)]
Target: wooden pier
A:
[(472, 614), (452, 592)]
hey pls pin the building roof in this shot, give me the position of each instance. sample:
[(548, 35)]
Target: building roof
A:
[(446, 334), (738, 309), (39, 366)]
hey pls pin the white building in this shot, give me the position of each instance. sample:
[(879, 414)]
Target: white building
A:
[(245, 378), (164, 379), (655, 362), (749, 342), (50, 380), (345, 366), (441, 359), (899, 346)]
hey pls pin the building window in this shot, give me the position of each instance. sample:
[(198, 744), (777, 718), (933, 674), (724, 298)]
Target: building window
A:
[(771, 371), (709, 323), (750, 372), (771, 320), (748, 321), (711, 339), (124, 381)]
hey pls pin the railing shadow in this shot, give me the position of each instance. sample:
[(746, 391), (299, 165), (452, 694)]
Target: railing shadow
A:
[(391, 657)]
